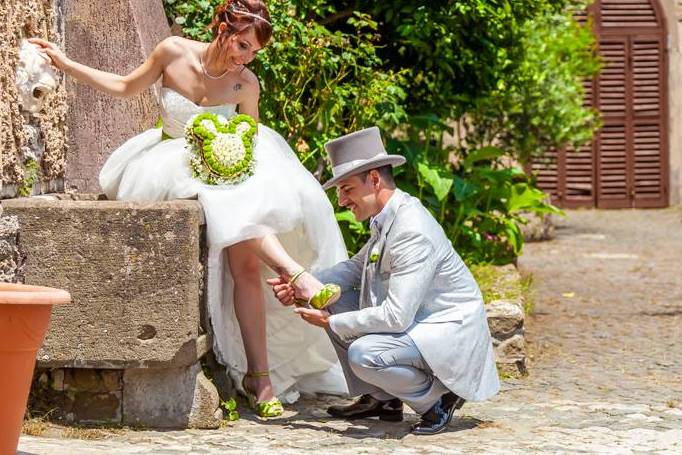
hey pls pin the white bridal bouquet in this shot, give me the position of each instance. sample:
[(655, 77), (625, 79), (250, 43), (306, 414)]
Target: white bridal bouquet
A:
[(221, 150)]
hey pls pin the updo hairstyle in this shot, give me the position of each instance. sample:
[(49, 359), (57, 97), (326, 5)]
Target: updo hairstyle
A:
[(239, 15)]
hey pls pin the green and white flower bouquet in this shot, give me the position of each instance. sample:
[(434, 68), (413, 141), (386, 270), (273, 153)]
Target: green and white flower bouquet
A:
[(221, 150)]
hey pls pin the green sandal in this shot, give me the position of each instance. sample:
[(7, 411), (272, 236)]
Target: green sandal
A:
[(326, 296), (329, 294), (271, 408)]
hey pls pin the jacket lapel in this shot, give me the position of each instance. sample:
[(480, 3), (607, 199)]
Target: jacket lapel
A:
[(377, 243)]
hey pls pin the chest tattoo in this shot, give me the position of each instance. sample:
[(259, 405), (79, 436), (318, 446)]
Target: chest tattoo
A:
[(237, 87)]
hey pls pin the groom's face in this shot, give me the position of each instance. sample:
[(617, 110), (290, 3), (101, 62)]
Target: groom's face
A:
[(359, 195)]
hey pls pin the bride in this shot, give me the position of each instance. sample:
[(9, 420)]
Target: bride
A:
[(279, 216)]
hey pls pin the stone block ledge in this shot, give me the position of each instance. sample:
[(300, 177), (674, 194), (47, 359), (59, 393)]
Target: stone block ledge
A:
[(134, 271)]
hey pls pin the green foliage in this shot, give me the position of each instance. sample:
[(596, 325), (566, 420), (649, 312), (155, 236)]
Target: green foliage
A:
[(193, 16), (30, 177), (457, 51), (539, 106), (480, 201), (355, 233), (501, 77), (317, 84), (230, 407)]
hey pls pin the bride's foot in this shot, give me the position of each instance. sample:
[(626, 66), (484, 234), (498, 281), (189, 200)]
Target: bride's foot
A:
[(258, 386), (258, 390), (305, 285), (310, 290)]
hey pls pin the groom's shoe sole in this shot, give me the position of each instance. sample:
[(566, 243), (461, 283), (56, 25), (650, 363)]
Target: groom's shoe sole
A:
[(387, 416), (397, 417)]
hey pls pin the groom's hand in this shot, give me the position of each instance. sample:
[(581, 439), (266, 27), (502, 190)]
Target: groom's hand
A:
[(282, 290), (312, 316)]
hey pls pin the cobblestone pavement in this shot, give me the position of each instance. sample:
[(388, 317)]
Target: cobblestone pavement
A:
[(606, 370)]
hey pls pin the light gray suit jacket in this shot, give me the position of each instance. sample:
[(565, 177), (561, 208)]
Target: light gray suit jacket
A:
[(411, 280)]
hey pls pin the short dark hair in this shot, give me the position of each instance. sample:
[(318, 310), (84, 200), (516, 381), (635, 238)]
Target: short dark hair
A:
[(386, 173)]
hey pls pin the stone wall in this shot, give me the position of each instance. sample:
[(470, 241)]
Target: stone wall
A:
[(111, 36), (32, 146), (127, 349), (539, 227), (115, 37), (506, 318), (673, 12), (138, 397), (12, 258)]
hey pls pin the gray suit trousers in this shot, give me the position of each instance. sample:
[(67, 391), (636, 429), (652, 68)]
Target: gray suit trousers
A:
[(385, 365)]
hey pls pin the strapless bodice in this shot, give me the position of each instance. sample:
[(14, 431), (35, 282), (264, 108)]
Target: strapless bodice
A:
[(176, 110)]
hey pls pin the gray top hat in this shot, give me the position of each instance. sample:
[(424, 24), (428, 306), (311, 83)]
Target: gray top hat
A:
[(358, 152)]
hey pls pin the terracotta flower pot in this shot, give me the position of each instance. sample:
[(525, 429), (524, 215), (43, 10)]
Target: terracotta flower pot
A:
[(24, 317)]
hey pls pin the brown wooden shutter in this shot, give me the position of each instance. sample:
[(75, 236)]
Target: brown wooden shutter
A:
[(647, 184), (547, 170), (627, 13), (612, 162), (629, 155)]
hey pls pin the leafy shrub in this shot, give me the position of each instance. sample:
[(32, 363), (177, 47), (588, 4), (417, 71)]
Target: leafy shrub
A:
[(501, 76), (317, 84), (539, 107), (192, 16), (457, 51), (479, 200)]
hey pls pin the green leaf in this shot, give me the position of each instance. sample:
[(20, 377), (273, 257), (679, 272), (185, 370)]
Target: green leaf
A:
[(229, 405), (514, 237), (525, 197), (482, 154), (464, 189), (355, 225), (440, 180)]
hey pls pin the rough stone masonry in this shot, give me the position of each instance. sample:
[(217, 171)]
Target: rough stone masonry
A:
[(135, 331)]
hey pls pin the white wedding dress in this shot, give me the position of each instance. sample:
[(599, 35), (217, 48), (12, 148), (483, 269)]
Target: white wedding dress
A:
[(281, 198)]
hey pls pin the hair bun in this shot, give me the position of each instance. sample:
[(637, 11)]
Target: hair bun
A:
[(254, 13)]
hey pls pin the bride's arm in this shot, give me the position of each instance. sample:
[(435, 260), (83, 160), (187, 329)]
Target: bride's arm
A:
[(114, 84)]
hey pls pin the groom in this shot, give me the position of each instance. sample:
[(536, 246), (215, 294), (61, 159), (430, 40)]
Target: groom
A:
[(416, 332)]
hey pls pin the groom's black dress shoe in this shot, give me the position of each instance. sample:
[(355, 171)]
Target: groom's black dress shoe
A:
[(368, 406), (437, 418)]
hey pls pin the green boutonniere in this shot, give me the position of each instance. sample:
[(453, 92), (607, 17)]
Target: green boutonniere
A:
[(374, 255), (221, 150)]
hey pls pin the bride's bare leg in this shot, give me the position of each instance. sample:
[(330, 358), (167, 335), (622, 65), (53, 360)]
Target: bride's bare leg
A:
[(249, 302), (249, 306), (272, 253)]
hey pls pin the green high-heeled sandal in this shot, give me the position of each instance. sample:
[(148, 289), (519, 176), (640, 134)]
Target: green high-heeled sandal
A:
[(329, 294), (271, 408)]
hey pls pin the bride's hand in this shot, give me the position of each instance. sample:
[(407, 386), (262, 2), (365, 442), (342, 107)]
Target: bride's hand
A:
[(59, 59), (282, 290)]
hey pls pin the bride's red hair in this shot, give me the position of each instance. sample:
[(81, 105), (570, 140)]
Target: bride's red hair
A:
[(229, 14)]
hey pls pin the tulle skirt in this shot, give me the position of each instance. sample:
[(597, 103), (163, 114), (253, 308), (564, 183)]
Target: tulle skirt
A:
[(280, 198)]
